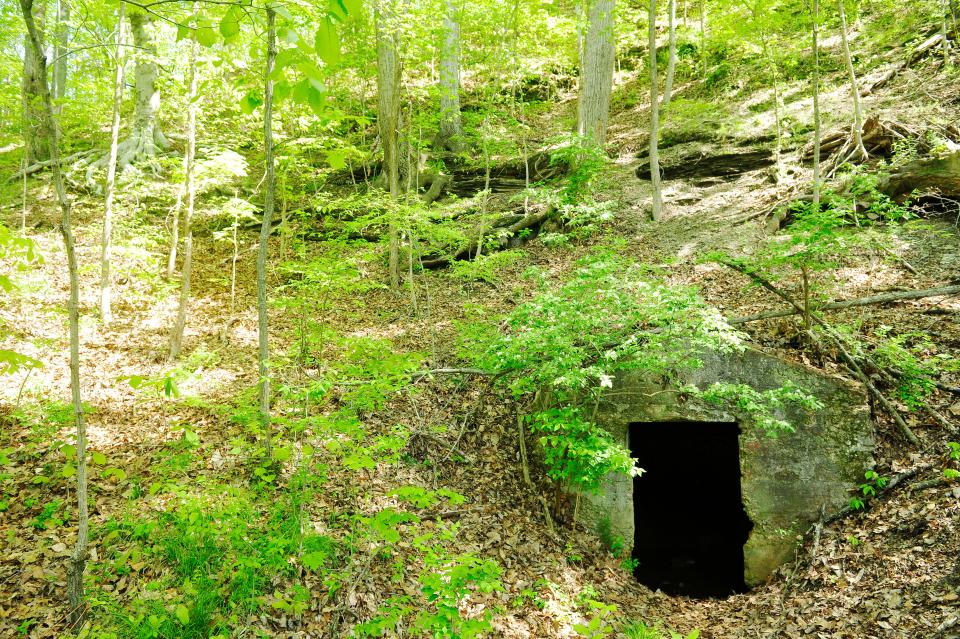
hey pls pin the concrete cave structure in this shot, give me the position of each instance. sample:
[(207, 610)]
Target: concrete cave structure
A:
[(722, 504)]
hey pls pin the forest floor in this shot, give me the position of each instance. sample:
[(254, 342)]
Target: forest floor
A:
[(889, 572)]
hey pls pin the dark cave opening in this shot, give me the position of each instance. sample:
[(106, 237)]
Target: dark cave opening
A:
[(687, 507)]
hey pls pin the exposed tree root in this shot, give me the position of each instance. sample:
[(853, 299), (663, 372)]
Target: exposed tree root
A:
[(141, 147)]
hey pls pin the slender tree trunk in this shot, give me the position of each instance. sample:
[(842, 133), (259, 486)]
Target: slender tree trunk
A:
[(268, 204), (654, 116), (859, 149), (59, 58), (944, 9), (77, 563), (451, 127), (703, 37), (106, 312), (388, 116), (596, 73), (31, 92), (816, 105), (672, 60), (176, 337)]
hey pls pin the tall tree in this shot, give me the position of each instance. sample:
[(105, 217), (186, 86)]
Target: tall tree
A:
[(858, 150), (106, 312), (36, 145), (388, 114), (176, 336), (451, 125), (596, 72), (270, 186), (60, 60), (671, 53), (146, 137), (657, 209), (815, 31), (76, 566)]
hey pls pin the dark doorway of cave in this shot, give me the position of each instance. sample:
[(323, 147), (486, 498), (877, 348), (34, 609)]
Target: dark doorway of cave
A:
[(687, 507)]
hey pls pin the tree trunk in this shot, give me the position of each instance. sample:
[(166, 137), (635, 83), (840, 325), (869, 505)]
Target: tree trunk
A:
[(146, 138), (596, 73), (703, 36), (388, 116), (451, 127), (859, 149), (59, 53), (36, 143), (816, 105), (176, 337), (944, 9), (106, 313), (268, 204), (654, 116), (77, 563), (672, 61)]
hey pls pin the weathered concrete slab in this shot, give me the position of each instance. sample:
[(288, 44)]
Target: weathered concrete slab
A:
[(785, 481)]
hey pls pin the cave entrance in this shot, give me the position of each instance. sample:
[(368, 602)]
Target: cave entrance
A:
[(688, 511)]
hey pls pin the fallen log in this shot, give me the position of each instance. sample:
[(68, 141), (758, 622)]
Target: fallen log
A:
[(39, 166), (939, 174), (918, 52), (470, 251), (838, 342), (861, 301)]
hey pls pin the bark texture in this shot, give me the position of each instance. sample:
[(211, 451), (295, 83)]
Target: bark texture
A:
[(76, 565), (451, 126), (60, 61), (176, 336), (815, 32), (106, 311), (596, 73), (146, 138), (672, 53), (859, 149), (270, 186), (657, 204), (388, 115), (37, 146)]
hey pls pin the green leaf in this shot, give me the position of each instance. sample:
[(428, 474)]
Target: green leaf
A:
[(327, 42), (230, 25), (352, 7), (336, 158), (314, 560), (249, 103), (98, 458), (118, 473), (282, 454), (206, 36), (182, 614)]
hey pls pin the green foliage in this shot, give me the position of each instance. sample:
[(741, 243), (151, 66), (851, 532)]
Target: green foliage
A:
[(913, 355), (868, 489), (579, 451), (599, 625), (640, 630), (488, 267), (568, 344), (953, 454), (584, 162), (763, 406), (21, 255)]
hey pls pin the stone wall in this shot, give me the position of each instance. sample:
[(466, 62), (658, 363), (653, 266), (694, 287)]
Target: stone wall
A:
[(784, 481)]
